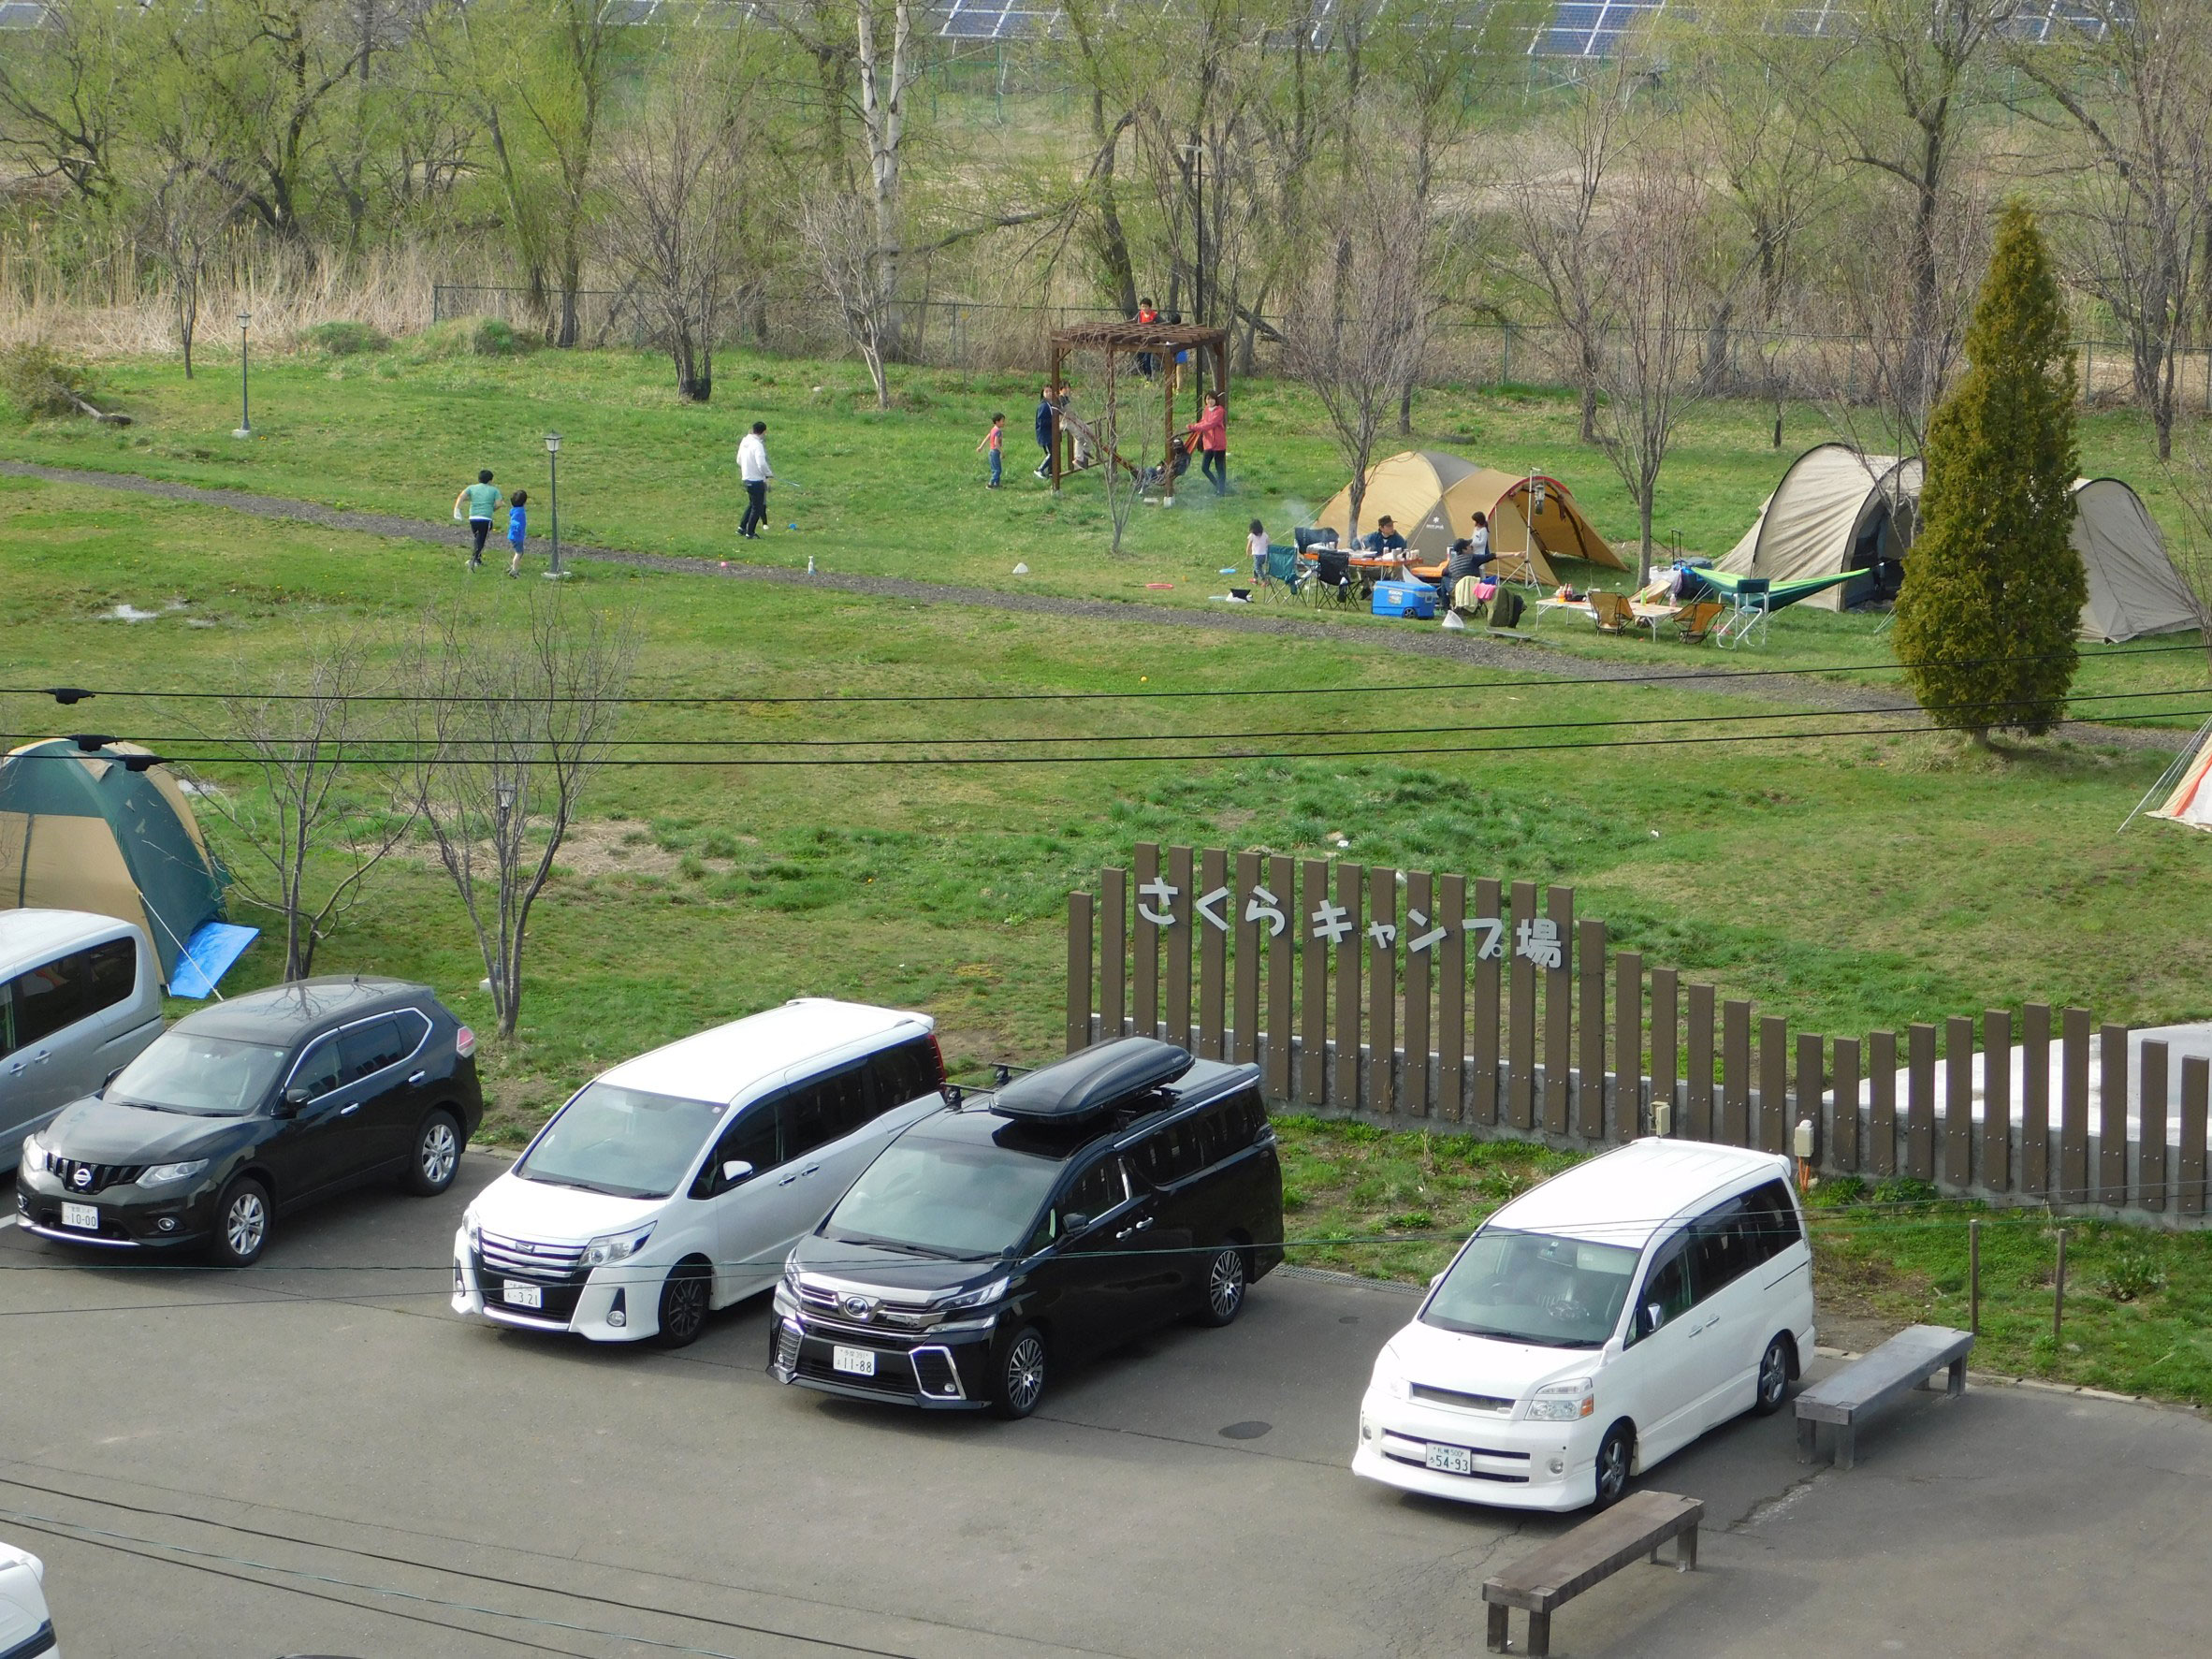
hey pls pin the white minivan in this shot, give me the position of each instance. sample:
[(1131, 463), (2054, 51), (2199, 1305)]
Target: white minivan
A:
[(1595, 1325), (678, 1181)]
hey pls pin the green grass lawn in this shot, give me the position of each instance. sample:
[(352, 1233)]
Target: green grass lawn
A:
[(899, 492), (2138, 1313)]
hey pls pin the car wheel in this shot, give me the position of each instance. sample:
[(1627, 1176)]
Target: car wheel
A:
[(435, 1155), (684, 1296), (242, 1224), (1774, 1377), (1020, 1383), (1225, 1288), (1616, 1452)]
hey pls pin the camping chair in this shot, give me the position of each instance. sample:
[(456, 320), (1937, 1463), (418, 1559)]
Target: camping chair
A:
[(1614, 614), (1282, 573), (1694, 622), (1332, 578), (1308, 537), (1746, 622)]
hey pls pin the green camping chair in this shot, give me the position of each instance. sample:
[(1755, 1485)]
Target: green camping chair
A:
[(1282, 578)]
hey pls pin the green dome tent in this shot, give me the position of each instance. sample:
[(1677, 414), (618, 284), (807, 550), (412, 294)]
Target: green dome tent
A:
[(108, 830)]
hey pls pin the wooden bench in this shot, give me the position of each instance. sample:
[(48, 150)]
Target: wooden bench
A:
[(1868, 1383), (1561, 1570)]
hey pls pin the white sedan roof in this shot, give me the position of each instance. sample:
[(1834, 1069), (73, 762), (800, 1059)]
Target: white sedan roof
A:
[(1625, 1196), (730, 1062)]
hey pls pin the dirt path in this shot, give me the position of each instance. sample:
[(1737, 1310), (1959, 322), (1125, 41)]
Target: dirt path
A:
[(1473, 648)]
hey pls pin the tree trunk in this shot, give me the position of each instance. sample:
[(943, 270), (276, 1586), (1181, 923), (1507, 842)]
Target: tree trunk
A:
[(1643, 520)]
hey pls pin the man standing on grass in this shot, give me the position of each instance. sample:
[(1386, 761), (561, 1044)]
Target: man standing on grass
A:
[(752, 466), (1046, 409), (481, 502)]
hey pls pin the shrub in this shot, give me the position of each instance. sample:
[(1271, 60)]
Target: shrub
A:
[(40, 380), (492, 338), (344, 339), (2132, 1275)]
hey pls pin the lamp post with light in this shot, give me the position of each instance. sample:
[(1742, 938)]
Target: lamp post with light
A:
[(553, 571), (245, 423)]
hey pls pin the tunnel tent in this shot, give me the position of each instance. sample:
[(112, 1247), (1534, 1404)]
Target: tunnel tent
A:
[(1838, 510), (83, 829), (1432, 498), (2135, 590), (1835, 509)]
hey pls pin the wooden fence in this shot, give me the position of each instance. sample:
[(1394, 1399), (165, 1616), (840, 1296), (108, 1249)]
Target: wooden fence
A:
[(1407, 998)]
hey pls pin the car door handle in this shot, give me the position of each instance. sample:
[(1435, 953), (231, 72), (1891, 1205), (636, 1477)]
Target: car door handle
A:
[(1694, 1331), (1140, 1225), (811, 1169), (418, 1079), (349, 1110), (40, 1057), (787, 1180)]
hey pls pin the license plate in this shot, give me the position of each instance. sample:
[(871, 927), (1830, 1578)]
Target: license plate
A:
[(1452, 1460), (81, 1215), (515, 1293), (859, 1362)]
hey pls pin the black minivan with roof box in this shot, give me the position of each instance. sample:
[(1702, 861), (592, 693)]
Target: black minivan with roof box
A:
[(994, 1241)]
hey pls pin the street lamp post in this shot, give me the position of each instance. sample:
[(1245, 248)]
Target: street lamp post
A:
[(245, 423), (553, 571)]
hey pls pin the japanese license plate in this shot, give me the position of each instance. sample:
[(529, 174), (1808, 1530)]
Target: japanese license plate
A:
[(515, 1293), (1452, 1460), (859, 1362), (86, 1217)]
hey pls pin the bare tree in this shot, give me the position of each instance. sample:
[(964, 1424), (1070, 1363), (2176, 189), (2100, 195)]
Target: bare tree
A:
[(672, 222), (1123, 485), (2189, 476), (1652, 251), (1356, 326), (322, 811), (183, 223), (513, 727), (2141, 211), (837, 234), (883, 86)]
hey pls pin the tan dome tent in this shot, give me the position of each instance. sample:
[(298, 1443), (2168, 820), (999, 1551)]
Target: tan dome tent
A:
[(1433, 496), (1837, 510), (2134, 588), (1834, 510)]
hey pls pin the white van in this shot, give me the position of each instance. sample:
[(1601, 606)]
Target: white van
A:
[(80, 998), (26, 1628), (678, 1181), (1595, 1325)]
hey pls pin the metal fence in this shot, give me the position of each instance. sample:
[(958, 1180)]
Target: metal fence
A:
[(1411, 999), (980, 336)]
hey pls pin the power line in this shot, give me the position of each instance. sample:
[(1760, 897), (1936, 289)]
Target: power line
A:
[(71, 694)]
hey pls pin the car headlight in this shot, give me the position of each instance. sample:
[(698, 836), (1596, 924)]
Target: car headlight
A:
[(1390, 1380), (979, 1298), (615, 1247), (1563, 1402), (791, 1273), (167, 1174), (473, 1235), (34, 1157)]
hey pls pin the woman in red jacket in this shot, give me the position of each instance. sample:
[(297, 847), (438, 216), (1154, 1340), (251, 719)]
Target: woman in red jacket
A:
[(1211, 432)]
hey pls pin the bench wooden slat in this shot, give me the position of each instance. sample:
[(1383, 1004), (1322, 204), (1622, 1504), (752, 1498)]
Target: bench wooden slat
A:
[(1561, 1570), (1872, 1382)]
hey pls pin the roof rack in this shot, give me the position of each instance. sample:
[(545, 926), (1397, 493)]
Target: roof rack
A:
[(1093, 1082)]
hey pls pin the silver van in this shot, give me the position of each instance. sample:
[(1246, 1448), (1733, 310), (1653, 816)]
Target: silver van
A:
[(80, 997)]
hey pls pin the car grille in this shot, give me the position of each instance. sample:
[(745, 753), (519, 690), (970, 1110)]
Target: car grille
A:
[(1412, 1448), (1462, 1401), (527, 1259), (934, 1373), (95, 1177), (822, 1304), (786, 1347)]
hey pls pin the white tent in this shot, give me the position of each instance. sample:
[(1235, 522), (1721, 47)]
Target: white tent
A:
[(1836, 509)]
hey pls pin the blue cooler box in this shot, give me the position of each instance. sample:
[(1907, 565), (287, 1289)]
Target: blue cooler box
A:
[(1404, 598)]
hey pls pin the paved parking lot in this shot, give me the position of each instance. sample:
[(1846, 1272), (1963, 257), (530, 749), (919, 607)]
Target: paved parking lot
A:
[(318, 1458)]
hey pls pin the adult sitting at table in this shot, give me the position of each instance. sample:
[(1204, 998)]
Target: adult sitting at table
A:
[(1469, 554), (1383, 539)]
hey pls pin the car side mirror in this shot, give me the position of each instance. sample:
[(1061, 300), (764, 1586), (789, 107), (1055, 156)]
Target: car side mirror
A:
[(1654, 1317), (1434, 1280), (734, 1171), (108, 1080), (295, 1097), (1073, 1223)]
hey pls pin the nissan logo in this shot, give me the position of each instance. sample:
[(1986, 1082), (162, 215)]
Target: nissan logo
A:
[(83, 1177), (856, 1307)]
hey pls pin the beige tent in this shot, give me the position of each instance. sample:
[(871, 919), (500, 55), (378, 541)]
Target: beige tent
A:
[(1836, 509), (1433, 496)]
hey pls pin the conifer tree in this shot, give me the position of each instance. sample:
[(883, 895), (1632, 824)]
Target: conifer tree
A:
[(1987, 620)]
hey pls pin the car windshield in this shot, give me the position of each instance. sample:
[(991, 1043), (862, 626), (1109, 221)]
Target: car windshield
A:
[(205, 1076), (1530, 1286), (945, 1198), (621, 1141)]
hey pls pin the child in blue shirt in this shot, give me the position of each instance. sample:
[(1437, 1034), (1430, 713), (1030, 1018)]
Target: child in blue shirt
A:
[(518, 528)]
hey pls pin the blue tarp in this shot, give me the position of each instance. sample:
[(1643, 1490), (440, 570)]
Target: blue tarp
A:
[(208, 955)]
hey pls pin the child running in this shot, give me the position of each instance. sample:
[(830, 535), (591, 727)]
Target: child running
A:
[(994, 441), (518, 528)]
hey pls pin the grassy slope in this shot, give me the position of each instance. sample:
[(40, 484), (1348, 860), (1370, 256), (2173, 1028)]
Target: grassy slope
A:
[(899, 492)]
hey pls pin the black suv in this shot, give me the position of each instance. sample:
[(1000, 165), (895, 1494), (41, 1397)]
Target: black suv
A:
[(1123, 1187), (255, 1106)]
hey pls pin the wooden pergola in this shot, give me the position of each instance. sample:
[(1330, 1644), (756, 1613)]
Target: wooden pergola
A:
[(1162, 340)]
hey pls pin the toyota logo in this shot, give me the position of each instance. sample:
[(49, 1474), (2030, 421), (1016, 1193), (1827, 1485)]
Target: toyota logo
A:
[(83, 1177), (856, 1307)]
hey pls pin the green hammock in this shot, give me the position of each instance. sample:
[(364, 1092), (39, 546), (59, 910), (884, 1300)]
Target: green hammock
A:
[(1722, 584)]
